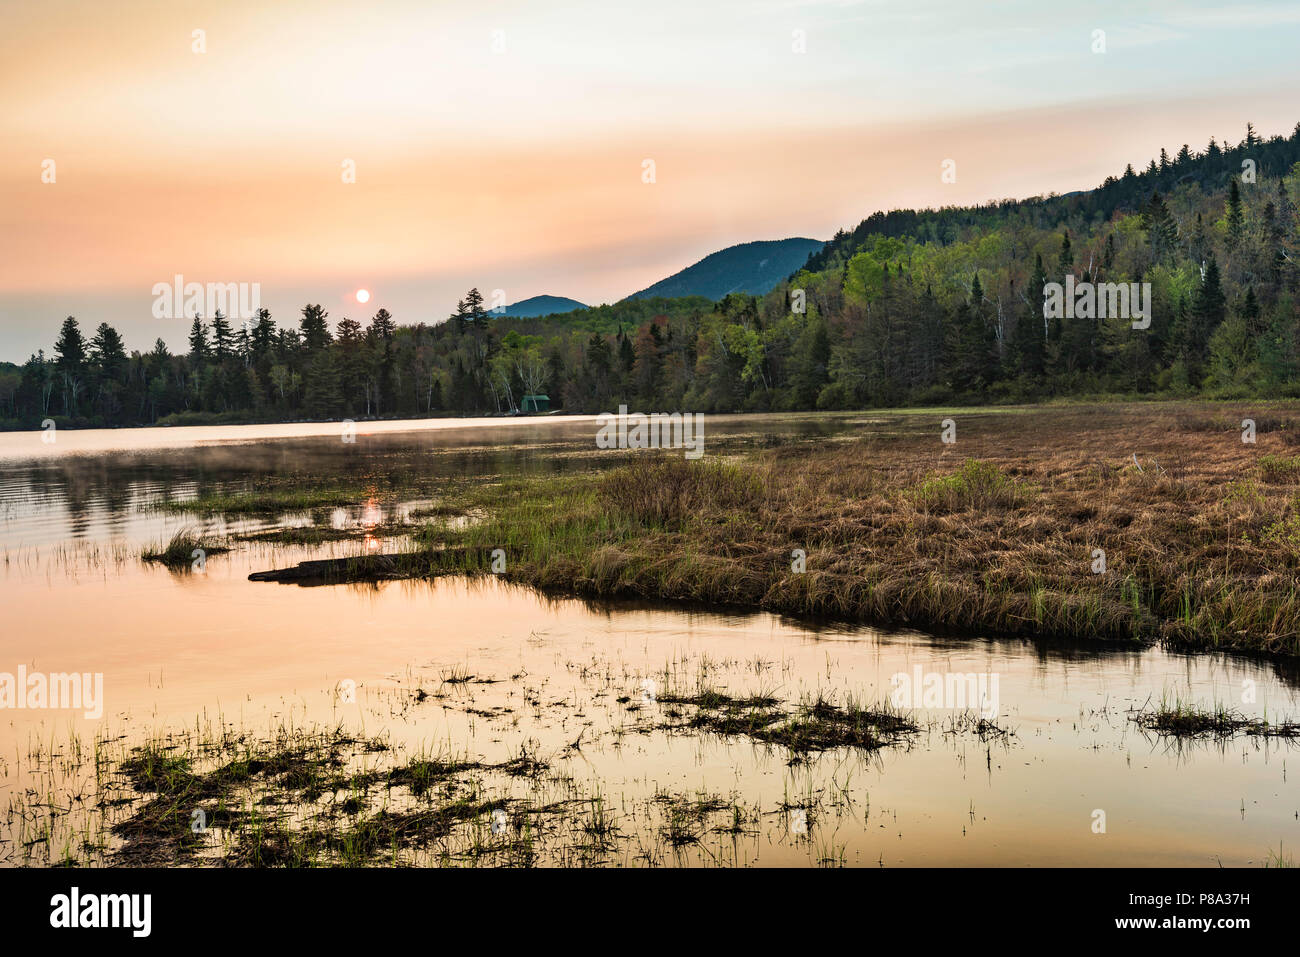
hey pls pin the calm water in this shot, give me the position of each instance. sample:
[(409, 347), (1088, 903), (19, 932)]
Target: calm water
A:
[(176, 646)]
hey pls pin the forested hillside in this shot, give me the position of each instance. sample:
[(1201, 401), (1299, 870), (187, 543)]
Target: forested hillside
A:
[(912, 306), (748, 268)]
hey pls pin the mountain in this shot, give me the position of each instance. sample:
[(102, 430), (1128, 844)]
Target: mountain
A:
[(542, 306), (752, 268)]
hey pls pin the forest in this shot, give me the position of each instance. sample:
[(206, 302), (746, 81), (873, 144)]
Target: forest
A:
[(911, 307)]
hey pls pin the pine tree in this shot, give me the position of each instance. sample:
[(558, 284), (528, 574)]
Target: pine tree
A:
[(626, 353), (1249, 311), (350, 342), (973, 349), (1031, 329), (263, 339), (382, 324), (244, 343), (315, 330), (381, 361), (70, 361), (1065, 261), (1162, 231), (321, 398), (1207, 313), (474, 306), (221, 337), (1235, 220), (107, 352), (198, 343), (1199, 245)]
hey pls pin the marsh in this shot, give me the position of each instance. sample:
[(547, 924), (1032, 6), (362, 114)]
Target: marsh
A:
[(393, 721)]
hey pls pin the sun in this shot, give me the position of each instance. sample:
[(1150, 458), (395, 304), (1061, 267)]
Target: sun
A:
[(363, 295)]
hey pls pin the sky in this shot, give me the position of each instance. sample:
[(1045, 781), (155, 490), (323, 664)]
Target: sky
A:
[(503, 145)]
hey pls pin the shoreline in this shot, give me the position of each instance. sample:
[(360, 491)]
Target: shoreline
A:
[(1081, 524)]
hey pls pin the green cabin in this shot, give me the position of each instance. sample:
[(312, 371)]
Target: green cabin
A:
[(537, 403)]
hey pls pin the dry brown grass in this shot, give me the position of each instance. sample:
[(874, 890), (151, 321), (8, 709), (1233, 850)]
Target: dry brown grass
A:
[(995, 534)]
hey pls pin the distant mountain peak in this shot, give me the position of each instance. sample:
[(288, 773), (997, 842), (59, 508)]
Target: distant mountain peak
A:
[(542, 306), (752, 268)]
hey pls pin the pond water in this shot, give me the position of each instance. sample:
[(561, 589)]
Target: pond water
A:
[(1067, 777)]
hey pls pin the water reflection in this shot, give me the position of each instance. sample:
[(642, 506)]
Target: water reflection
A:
[(174, 645)]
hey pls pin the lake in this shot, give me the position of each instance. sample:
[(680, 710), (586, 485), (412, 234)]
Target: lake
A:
[(1061, 774)]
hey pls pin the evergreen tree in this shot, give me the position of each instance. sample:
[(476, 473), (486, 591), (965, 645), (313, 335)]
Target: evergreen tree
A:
[(1235, 220), (1199, 243), (1065, 261), (315, 330), (198, 343), (321, 397), (474, 312), (222, 340), (972, 350), (1162, 231), (1030, 344), (626, 354), (70, 361), (381, 363), (107, 352), (1249, 311), (108, 368), (1207, 312), (263, 340)]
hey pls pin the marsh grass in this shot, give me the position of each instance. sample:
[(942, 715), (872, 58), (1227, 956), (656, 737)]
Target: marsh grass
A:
[(662, 491), (318, 534), (179, 551), (1279, 468), (1199, 553), (815, 725), (1180, 719), (299, 496), (976, 485), (315, 795), (1200, 532), (1279, 859)]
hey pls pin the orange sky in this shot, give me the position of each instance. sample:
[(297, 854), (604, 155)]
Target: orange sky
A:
[(513, 159)]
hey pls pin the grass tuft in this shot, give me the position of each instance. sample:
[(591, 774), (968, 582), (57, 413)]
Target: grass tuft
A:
[(180, 551)]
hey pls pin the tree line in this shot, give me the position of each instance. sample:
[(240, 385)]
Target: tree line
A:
[(911, 307)]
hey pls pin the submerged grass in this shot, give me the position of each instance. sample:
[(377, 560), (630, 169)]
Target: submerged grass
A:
[(817, 725), (1179, 719), (300, 496), (183, 549)]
